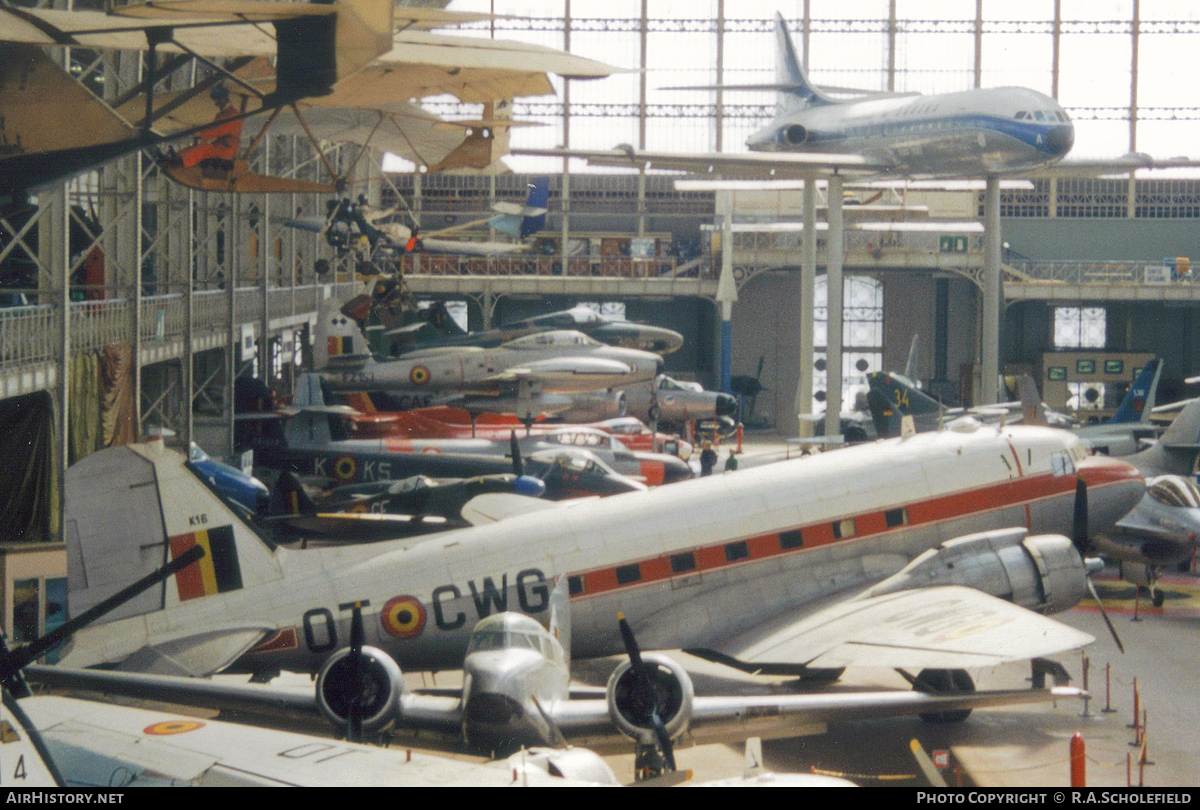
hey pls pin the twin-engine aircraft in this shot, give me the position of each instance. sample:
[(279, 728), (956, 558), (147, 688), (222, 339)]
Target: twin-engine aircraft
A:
[(845, 559)]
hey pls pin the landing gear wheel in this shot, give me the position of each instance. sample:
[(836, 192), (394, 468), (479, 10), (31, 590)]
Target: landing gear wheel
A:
[(1157, 597), (937, 681)]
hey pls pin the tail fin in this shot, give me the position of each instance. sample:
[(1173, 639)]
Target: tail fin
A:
[(1184, 432), (795, 91), (902, 394), (132, 509), (521, 221), (1033, 410), (486, 141), (338, 340), (289, 498), (1140, 399)]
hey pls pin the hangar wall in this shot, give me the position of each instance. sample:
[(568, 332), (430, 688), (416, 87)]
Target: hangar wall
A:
[(1148, 240)]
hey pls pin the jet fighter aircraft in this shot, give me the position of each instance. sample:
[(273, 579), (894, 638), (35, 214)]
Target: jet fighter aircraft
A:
[(522, 376)]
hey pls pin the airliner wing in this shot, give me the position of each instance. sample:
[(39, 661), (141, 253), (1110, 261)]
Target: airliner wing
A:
[(948, 627), (748, 164), (1093, 167)]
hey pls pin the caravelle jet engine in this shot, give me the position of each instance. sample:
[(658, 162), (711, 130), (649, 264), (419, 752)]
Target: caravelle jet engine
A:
[(793, 135), (1044, 573), (631, 713), (374, 680)]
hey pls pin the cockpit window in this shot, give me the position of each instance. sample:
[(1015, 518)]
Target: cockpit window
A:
[(485, 640), (1061, 464), (1175, 491), (1039, 115)]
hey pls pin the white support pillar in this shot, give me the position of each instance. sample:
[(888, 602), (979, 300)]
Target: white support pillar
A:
[(834, 241), (993, 297), (808, 283)]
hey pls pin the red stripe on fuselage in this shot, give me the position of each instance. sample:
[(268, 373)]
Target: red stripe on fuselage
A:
[(1097, 471)]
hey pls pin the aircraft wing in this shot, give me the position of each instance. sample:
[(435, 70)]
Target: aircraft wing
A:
[(1087, 167), (561, 368), (718, 718), (748, 164), (947, 627)]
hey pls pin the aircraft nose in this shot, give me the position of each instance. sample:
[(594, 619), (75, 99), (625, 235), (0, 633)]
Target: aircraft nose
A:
[(1114, 488), (726, 405), (1060, 139)]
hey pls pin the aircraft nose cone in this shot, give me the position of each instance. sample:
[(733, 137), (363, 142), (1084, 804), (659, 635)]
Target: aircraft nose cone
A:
[(1059, 140), (1114, 487), (726, 405)]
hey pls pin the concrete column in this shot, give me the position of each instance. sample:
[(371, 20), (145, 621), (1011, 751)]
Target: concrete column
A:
[(808, 283), (834, 240), (727, 293), (993, 296)]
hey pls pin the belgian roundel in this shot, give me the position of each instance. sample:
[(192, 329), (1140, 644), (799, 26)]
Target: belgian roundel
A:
[(403, 617), (419, 375), (345, 468)]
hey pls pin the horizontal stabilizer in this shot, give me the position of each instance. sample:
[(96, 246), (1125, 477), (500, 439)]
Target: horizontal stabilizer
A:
[(197, 655), (492, 507)]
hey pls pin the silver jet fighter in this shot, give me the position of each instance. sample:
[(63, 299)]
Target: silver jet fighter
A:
[(522, 372)]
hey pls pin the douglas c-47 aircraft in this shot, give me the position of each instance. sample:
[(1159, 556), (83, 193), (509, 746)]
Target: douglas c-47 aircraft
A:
[(849, 558)]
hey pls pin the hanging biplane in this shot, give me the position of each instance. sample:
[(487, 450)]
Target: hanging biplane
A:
[(357, 75)]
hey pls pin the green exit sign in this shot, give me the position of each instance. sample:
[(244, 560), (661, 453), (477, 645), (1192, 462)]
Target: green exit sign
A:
[(953, 244)]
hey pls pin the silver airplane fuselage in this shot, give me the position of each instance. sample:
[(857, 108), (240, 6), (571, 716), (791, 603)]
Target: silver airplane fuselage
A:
[(556, 362), (969, 133)]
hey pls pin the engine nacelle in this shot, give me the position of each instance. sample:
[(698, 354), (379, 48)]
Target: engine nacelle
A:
[(793, 135), (595, 407), (1042, 572), (380, 689), (674, 690)]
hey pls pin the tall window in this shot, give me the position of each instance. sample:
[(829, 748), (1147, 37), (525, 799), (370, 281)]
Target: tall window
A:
[(862, 337), (1080, 327)]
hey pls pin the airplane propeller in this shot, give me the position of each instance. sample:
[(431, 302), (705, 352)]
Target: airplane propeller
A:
[(1083, 544), (647, 695), (518, 464), (355, 679)]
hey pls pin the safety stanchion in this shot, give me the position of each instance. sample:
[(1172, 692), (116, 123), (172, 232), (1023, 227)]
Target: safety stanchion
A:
[(1137, 715), (1087, 695), (1108, 709), (1078, 762), (740, 434)]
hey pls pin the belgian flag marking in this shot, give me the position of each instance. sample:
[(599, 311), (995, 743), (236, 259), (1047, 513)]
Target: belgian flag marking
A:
[(218, 572), (336, 346)]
